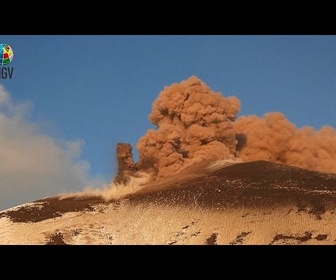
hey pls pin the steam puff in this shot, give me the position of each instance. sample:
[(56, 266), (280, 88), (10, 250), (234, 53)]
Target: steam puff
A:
[(193, 123), (276, 139)]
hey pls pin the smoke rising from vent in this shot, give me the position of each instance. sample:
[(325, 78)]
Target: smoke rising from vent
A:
[(195, 123)]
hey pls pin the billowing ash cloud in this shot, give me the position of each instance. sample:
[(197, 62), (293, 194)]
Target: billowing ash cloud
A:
[(276, 139), (195, 123)]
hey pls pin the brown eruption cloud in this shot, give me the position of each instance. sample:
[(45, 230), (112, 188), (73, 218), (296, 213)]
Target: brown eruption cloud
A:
[(195, 124), (276, 139)]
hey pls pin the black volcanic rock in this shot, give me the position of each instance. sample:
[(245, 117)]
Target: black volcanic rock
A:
[(252, 184)]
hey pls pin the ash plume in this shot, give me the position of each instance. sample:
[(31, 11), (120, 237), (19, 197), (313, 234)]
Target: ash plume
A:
[(276, 139), (194, 123), (125, 163)]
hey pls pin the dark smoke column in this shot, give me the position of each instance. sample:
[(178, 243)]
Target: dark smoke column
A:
[(125, 163), (193, 124)]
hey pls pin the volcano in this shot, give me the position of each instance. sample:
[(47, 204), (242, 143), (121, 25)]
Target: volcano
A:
[(204, 176), (211, 203)]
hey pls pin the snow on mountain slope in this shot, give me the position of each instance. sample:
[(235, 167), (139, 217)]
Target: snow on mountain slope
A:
[(229, 204)]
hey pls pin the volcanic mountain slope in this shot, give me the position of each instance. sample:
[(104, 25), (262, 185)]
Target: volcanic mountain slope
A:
[(212, 203)]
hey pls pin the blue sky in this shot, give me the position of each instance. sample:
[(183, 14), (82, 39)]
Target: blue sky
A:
[(97, 90)]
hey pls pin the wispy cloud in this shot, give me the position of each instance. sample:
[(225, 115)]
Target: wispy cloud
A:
[(33, 164)]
